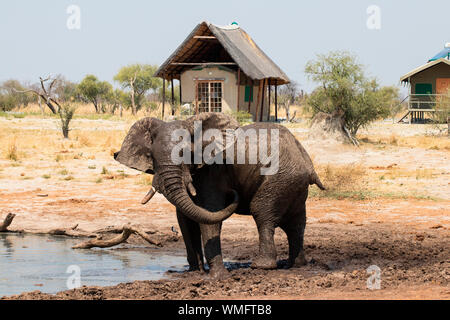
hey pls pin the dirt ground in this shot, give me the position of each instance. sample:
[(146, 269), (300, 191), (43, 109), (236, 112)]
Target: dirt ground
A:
[(399, 219)]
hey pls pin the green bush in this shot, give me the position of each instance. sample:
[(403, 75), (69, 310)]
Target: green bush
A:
[(242, 117), (66, 113), (7, 102), (345, 89)]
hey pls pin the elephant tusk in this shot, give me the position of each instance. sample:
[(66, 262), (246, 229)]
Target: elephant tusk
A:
[(191, 189), (149, 196)]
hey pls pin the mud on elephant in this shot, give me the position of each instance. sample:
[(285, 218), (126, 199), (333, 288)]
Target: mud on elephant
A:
[(205, 193)]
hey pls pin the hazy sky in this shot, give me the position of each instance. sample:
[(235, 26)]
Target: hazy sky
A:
[(35, 40)]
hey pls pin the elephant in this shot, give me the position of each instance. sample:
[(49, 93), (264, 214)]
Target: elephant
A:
[(205, 194)]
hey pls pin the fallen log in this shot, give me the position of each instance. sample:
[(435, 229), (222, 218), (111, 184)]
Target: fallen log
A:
[(127, 231), (7, 222), (98, 241)]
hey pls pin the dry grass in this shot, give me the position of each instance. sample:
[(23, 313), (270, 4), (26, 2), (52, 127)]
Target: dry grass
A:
[(44, 143), (398, 173), (11, 152), (430, 142), (145, 179), (35, 145), (338, 176), (346, 181), (357, 182), (84, 111)]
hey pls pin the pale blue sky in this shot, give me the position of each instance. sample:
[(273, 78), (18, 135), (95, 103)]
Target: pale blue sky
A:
[(35, 40)]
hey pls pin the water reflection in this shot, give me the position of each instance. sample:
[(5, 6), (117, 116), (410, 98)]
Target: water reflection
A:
[(38, 262)]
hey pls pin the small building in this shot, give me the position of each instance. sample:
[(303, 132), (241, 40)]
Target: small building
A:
[(426, 83), (221, 69)]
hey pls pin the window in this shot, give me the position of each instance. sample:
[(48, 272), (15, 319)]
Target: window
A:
[(209, 95), (248, 94)]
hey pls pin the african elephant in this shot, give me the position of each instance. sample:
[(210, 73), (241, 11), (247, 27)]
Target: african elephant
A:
[(205, 194)]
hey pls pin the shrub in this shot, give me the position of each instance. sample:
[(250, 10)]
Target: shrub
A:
[(66, 113), (241, 116), (12, 153), (345, 90)]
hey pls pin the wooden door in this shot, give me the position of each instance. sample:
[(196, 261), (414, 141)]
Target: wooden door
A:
[(442, 85)]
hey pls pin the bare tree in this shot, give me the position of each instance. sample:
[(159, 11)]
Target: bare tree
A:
[(288, 94), (45, 92)]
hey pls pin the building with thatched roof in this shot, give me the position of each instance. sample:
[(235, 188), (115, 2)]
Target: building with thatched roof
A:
[(221, 69), (426, 84)]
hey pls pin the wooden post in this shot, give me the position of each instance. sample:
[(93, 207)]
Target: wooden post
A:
[(250, 97), (263, 97), (181, 97), (276, 101), (164, 95), (196, 96), (268, 113), (258, 102), (173, 95), (238, 89), (448, 126)]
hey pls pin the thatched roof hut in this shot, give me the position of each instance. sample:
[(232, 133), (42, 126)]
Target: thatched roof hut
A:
[(219, 68)]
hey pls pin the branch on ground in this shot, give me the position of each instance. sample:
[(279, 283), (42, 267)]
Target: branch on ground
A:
[(127, 231), (7, 222), (97, 241)]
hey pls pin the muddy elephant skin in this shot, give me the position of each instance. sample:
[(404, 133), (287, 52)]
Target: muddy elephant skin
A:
[(206, 194)]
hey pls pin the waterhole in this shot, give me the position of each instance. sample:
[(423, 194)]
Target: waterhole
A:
[(39, 262)]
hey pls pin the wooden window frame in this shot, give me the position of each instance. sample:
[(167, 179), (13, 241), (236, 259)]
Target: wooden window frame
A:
[(209, 82)]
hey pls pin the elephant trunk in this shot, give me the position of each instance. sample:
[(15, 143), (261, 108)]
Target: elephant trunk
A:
[(175, 191)]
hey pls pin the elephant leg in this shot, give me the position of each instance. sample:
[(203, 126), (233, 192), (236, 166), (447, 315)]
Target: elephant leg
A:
[(192, 240), (295, 230), (267, 256), (213, 250)]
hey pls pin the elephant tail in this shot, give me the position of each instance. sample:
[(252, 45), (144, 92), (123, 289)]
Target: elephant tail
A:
[(316, 180)]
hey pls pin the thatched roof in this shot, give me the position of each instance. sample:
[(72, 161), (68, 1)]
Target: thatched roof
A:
[(228, 46)]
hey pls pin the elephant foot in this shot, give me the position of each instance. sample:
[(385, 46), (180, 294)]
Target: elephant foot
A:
[(219, 273), (264, 263), (300, 261)]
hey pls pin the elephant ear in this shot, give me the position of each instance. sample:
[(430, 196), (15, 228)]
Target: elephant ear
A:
[(136, 148), (214, 120)]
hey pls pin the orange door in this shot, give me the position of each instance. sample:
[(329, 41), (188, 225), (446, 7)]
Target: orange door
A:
[(442, 85)]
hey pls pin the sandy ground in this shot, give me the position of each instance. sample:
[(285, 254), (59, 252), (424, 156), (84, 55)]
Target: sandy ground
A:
[(407, 237)]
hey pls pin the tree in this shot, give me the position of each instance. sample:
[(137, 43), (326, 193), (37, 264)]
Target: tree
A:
[(12, 88), (7, 102), (10, 96), (442, 113), (138, 79), (95, 91), (66, 90), (45, 91), (286, 97), (344, 90), (391, 96), (117, 100), (66, 113)]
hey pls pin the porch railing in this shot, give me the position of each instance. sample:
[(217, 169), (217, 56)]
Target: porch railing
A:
[(423, 101)]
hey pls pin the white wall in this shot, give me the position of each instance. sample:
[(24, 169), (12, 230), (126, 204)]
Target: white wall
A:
[(229, 100)]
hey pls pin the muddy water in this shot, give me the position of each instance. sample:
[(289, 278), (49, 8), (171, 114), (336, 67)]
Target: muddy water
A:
[(34, 262)]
